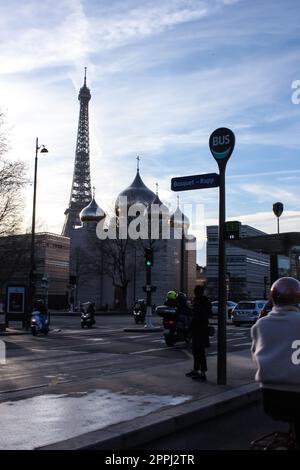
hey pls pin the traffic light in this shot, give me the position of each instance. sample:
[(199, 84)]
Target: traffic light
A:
[(232, 230), (148, 257)]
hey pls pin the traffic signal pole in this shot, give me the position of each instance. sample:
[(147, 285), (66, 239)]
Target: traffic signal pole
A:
[(148, 265), (149, 298)]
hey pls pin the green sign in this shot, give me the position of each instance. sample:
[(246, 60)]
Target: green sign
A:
[(232, 230)]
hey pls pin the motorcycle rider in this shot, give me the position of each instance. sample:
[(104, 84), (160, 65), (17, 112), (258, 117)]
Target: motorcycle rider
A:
[(171, 299), (40, 307), (276, 351)]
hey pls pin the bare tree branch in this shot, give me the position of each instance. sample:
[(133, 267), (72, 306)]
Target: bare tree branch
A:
[(12, 180)]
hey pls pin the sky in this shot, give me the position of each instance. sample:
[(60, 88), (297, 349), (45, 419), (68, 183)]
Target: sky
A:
[(163, 75)]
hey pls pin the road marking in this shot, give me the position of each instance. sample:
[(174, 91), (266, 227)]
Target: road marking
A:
[(243, 344), (159, 349), (150, 350), (158, 341), (133, 337), (188, 353)]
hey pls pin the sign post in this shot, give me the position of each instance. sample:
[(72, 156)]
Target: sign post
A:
[(221, 144), (148, 264)]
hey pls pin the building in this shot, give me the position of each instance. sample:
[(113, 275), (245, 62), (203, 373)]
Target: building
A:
[(201, 278), (248, 271), (112, 273), (52, 255)]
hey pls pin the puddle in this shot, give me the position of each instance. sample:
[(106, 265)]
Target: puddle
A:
[(46, 419)]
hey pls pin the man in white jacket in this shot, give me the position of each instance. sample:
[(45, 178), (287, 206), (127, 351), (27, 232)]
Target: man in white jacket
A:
[(276, 351)]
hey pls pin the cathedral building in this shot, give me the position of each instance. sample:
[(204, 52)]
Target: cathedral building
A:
[(108, 266)]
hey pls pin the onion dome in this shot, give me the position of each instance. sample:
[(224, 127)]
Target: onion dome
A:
[(156, 201), (136, 193), (179, 219), (92, 212)]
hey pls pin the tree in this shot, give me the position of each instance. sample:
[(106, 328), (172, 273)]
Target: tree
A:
[(14, 257), (118, 265), (12, 180)]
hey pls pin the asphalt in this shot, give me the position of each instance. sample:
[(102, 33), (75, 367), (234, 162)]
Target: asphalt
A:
[(207, 400)]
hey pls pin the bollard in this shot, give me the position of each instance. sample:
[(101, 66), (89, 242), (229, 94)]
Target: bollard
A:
[(2, 352)]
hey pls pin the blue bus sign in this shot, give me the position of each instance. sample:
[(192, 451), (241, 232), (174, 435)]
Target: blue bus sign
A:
[(186, 183)]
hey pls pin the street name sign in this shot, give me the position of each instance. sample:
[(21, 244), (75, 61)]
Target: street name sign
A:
[(186, 183)]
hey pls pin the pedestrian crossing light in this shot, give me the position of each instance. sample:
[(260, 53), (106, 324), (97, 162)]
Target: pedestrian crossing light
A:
[(148, 257), (232, 230)]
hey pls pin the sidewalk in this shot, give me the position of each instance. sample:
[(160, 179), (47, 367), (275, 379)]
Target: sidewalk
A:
[(198, 402)]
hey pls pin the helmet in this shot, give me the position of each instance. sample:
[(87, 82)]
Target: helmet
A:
[(285, 291), (171, 295)]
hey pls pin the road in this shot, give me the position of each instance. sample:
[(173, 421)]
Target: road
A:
[(70, 354), (74, 381)]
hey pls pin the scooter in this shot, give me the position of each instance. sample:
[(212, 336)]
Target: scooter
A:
[(174, 330), (87, 320), (39, 323), (139, 316)]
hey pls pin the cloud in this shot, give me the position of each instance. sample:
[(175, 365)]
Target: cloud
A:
[(268, 193), (78, 31)]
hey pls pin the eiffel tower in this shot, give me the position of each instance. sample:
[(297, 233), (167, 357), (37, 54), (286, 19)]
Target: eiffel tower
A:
[(81, 193)]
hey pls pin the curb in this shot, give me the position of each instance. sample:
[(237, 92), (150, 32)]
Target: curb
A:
[(132, 434)]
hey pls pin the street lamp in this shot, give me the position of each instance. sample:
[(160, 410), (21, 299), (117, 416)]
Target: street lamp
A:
[(32, 274), (278, 209)]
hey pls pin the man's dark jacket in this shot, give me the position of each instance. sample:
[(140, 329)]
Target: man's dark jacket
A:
[(201, 312)]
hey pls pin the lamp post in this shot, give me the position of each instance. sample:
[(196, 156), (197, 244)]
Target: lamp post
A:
[(32, 273), (278, 209)]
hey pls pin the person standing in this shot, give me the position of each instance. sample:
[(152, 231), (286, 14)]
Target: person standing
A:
[(201, 312)]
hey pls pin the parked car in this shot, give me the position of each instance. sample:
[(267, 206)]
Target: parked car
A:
[(230, 307), (266, 309), (247, 311)]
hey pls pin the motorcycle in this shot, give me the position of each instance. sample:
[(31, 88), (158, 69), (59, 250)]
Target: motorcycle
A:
[(87, 317), (39, 323), (139, 316), (139, 312), (87, 320), (174, 329)]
